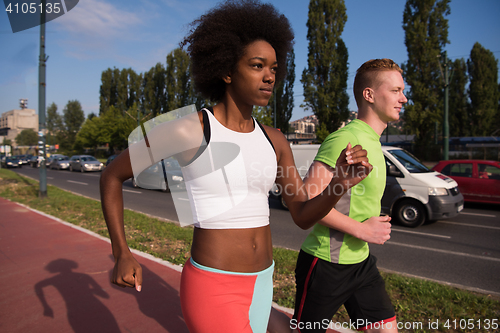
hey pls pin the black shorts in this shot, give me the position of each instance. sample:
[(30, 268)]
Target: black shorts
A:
[(322, 287)]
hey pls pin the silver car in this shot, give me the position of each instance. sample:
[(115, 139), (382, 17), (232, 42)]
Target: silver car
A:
[(59, 162), (84, 163), (164, 176)]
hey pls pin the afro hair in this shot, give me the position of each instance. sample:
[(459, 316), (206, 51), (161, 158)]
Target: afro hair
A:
[(217, 40)]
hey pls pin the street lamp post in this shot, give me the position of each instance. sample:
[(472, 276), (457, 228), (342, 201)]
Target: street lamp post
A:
[(41, 106)]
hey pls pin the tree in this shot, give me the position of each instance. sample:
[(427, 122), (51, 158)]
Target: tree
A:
[(119, 88), (283, 95), (109, 89), (54, 123), (91, 133), (154, 98), (263, 114), (458, 117), (128, 88), (178, 83), (325, 78), (117, 127), (426, 34), (497, 120), (73, 118), (27, 137), (483, 90)]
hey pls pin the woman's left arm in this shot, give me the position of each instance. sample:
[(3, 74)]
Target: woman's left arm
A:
[(352, 167)]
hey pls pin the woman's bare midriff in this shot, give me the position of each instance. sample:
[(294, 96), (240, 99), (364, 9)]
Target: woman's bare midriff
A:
[(235, 250)]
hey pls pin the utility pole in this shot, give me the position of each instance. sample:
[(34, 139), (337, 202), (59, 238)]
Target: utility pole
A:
[(446, 127), (41, 106)]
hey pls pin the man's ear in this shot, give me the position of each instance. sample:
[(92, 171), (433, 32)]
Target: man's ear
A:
[(227, 78), (368, 95)]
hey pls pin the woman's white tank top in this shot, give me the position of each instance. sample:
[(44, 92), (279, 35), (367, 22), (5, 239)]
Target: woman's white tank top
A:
[(228, 184)]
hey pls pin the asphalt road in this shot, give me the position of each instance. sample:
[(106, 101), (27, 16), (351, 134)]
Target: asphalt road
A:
[(462, 251)]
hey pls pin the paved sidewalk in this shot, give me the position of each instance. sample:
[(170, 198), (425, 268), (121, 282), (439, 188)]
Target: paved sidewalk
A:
[(56, 278)]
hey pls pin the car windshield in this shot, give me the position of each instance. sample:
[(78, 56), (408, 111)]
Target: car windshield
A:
[(410, 162), (64, 158), (88, 158)]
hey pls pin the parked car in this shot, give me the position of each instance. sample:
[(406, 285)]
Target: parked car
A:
[(110, 159), (161, 176), (478, 180), (59, 162), (23, 159), (413, 193), (10, 162), (84, 163), (35, 161)]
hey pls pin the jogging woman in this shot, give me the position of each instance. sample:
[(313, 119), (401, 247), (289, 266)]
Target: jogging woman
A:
[(238, 52)]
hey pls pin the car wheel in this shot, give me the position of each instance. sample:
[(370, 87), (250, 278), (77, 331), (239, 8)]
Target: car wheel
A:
[(81, 169), (70, 168), (409, 213)]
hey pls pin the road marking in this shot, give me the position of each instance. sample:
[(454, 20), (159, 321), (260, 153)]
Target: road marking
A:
[(131, 191), (476, 214), (471, 225), (72, 181), (420, 233), (444, 251), (183, 199)]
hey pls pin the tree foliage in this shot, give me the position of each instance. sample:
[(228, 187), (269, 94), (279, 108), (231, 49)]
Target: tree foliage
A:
[(264, 115), (426, 34), (119, 88), (108, 90), (73, 118), (128, 88), (112, 128), (282, 98), (27, 137), (458, 118), (321, 133), (54, 120), (54, 123), (325, 78), (483, 91), (154, 96), (179, 89)]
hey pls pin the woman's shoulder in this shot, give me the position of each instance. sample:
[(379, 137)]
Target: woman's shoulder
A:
[(277, 138)]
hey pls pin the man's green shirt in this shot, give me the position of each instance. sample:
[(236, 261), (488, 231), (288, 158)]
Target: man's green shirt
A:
[(361, 203)]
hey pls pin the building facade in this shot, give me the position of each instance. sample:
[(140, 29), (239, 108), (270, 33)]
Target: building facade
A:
[(14, 122)]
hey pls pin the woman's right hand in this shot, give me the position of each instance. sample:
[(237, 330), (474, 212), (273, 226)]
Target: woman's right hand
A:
[(127, 272)]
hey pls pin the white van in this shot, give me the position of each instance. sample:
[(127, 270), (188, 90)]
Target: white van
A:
[(413, 193)]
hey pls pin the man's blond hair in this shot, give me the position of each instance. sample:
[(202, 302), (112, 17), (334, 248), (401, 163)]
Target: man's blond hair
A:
[(366, 75)]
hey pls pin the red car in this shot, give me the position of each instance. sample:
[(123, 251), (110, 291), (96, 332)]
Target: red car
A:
[(478, 180)]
